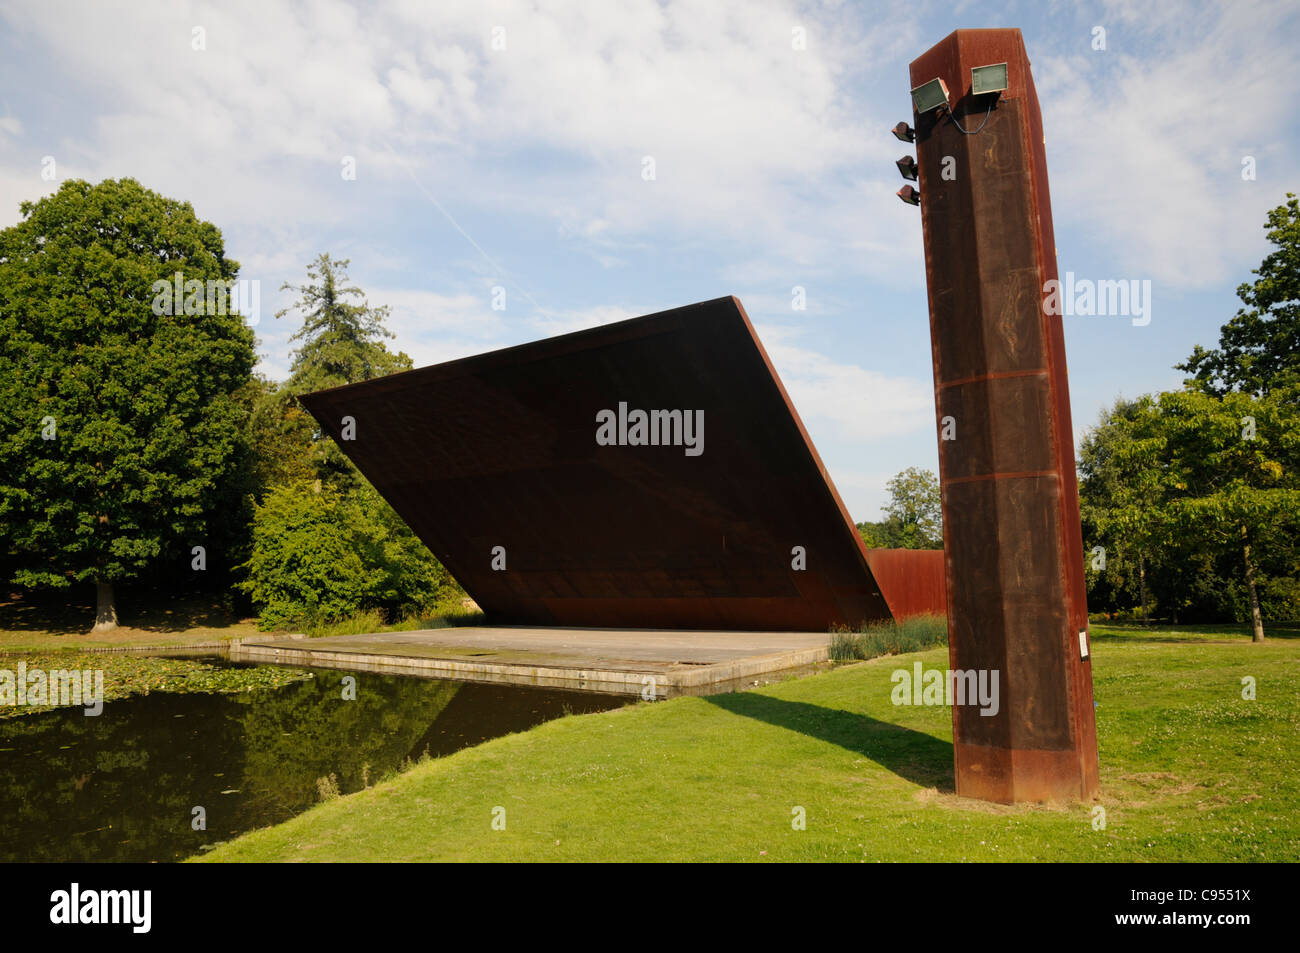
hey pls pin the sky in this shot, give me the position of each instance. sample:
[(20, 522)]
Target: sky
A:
[(449, 149)]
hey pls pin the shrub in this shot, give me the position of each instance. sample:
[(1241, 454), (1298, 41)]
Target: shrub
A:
[(359, 623), (889, 638), (319, 557)]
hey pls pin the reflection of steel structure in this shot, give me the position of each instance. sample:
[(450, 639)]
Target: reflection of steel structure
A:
[(502, 450), (1016, 599)]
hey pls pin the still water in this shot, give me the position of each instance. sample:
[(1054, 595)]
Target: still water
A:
[(123, 786)]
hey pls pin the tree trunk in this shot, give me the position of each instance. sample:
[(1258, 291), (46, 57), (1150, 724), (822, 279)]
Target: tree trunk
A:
[(106, 610), (1142, 584), (1256, 620)]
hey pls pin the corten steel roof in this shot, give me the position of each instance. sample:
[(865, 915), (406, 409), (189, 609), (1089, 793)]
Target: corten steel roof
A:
[(500, 449)]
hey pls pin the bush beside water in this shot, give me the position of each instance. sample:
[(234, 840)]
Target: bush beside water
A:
[(889, 638), (446, 615)]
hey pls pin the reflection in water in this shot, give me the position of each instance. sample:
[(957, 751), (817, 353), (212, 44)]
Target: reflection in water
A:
[(123, 786)]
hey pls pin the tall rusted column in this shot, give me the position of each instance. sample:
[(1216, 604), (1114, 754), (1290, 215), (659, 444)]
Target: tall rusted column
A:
[(1016, 597)]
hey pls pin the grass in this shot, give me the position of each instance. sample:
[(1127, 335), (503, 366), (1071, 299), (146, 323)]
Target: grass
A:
[(1201, 632), (61, 619), (1190, 772), (889, 638)]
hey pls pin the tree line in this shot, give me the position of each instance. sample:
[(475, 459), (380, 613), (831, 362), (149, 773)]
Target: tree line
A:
[(1190, 499), (137, 442)]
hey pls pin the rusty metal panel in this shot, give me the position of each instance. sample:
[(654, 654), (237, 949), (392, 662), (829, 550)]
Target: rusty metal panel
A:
[(1016, 597), (911, 580), (500, 449)]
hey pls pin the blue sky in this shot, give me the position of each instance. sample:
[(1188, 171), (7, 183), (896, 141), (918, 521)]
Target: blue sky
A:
[(478, 167)]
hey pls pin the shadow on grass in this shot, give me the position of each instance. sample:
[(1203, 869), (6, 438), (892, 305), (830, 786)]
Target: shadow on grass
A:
[(914, 755)]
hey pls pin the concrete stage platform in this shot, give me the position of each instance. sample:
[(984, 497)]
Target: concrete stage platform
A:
[(614, 661)]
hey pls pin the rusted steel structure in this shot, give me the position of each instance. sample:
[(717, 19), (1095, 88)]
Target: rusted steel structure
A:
[(911, 580), (1015, 582), (499, 464)]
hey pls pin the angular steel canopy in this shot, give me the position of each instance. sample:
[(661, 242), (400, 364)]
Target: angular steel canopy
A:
[(501, 450)]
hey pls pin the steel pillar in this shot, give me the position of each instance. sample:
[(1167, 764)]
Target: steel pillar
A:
[(1013, 549)]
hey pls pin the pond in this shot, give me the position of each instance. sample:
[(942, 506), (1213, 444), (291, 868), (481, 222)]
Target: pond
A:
[(124, 786)]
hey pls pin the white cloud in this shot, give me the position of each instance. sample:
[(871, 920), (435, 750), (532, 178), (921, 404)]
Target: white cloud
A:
[(17, 187), (748, 134), (1145, 140), (418, 312), (847, 400)]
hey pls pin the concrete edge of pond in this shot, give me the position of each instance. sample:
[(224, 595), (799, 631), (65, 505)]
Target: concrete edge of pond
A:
[(668, 662), (204, 647)]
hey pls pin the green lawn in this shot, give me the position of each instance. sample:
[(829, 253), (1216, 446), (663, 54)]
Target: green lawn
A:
[(1190, 771)]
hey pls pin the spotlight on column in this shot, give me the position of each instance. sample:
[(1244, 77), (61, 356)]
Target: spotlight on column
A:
[(988, 79), (909, 195), (904, 133), (907, 167), (930, 96)]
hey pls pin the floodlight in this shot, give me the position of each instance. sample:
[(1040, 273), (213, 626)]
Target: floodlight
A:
[(907, 167), (930, 96), (909, 195), (988, 79), (904, 133)]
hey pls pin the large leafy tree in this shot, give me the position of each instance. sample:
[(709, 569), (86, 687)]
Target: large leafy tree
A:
[(916, 504), (1203, 481), (1195, 479), (342, 342), (119, 422), (913, 515), (1233, 466), (325, 543), (1259, 349), (342, 339), (1121, 485), (279, 437)]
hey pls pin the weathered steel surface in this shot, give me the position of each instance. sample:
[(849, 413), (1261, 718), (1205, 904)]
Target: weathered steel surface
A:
[(1016, 597), (500, 450), (911, 580)]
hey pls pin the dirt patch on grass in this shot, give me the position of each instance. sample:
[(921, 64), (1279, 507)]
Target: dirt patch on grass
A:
[(937, 798), (1142, 788)]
